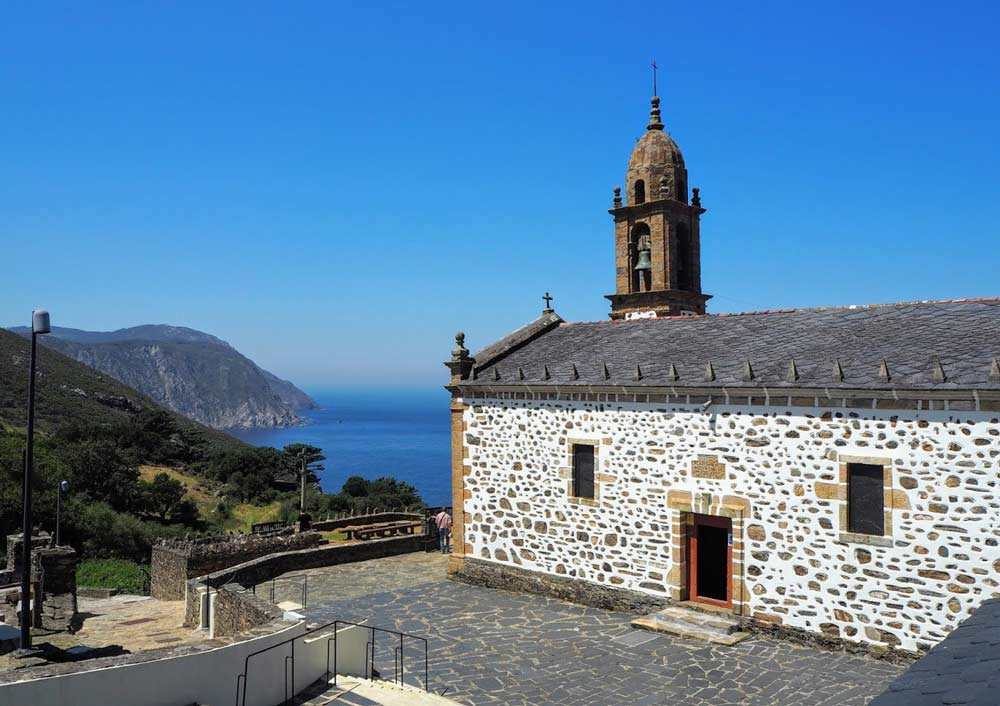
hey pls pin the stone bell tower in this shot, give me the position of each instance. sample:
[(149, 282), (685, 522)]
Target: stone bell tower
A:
[(657, 232)]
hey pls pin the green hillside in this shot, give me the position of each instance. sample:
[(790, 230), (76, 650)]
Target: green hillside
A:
[(70, 392)]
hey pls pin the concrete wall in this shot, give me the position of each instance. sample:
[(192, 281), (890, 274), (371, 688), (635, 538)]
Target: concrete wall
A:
[(207, 677), (779, 473)]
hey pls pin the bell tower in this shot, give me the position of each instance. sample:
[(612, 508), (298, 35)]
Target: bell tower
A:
[(657, 232)]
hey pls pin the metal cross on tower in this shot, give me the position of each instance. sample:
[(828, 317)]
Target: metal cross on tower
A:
[(654, 76)]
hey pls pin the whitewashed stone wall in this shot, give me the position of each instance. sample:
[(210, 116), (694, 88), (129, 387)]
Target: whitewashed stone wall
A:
[(942, 562)]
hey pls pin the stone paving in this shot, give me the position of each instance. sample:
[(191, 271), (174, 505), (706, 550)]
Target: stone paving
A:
[(495, 647), (134, 622)]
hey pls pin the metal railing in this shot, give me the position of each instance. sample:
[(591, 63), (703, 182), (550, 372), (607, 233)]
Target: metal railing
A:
[(273, 584), (399, 666), (370, 672)]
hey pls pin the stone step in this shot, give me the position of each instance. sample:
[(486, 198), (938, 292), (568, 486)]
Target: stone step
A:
[(719, 629)]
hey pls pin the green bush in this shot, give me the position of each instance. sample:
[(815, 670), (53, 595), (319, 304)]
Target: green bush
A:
[(126, 576)]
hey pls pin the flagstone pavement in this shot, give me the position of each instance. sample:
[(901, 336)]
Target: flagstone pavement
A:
[(496, 647)]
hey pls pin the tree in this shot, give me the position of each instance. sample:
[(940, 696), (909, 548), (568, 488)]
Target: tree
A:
[(162, 495), (101, 473), (306, 461)]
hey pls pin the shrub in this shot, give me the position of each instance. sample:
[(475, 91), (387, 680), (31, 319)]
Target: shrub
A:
[(125, 576)]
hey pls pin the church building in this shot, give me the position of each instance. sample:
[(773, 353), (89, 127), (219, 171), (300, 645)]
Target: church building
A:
[(830, 472)]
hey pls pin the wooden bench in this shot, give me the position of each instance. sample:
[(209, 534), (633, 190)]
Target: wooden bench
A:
[(382, 529)]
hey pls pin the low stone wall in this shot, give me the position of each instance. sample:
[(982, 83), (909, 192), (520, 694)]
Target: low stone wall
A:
[(268, 567), (329, 525), (509, 578), (174, 562), (237, 610)]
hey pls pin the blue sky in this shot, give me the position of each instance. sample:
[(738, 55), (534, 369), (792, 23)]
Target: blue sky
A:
[(335, 188)]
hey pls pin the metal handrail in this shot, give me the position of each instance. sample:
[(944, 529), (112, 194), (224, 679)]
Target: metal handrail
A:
[(246, 662), (400, 672), (369, 657)]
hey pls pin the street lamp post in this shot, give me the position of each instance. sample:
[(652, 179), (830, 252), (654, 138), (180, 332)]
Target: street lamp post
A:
[(40, 325), (63, 487)]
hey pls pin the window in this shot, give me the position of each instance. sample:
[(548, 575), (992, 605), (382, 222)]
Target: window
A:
[(865, 499), (583, 471), (683, 257), (640, 192)]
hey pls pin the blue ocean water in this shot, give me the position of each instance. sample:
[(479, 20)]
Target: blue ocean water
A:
[(402, 433)]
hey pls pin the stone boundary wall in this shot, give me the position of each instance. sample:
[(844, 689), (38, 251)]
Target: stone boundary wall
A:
[(328, 525), (174, 562), (267, 567), (510, 578), (238, 610)]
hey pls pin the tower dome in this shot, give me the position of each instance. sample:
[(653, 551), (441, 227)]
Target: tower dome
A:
[(656, 168)]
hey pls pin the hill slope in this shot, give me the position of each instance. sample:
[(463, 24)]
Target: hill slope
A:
[(188, 371), (68, 391)]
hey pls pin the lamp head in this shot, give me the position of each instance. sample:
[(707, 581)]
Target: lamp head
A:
[(40, 321), (63, 486)]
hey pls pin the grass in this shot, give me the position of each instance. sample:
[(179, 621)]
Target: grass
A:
[(334, 536), (243, 515), (124, 575), (197, 489)]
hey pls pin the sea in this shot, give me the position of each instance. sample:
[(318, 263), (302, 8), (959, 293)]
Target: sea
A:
[(403, 433)]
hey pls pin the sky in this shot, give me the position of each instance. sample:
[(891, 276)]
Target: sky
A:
[(336, 188)]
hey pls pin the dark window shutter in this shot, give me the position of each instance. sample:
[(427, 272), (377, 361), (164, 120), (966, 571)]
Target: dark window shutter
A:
[(583, 471), (866, 499)]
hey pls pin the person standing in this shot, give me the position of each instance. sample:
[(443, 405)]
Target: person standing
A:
[(443, 522)]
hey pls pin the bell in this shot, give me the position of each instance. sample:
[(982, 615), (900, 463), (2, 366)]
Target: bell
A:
[(643, 262)]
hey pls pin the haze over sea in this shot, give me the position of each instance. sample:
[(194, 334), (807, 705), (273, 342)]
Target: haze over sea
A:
[(383, 432)]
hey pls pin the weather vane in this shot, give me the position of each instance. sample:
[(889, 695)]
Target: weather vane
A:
[(654, 76)]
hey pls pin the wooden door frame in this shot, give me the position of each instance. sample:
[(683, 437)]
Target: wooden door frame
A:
[(692, 558)]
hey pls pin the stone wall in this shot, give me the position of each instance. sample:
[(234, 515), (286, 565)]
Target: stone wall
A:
[(512, 578), (329, 525), (174, 562), (238, 610), (780, 474), (267, 567)]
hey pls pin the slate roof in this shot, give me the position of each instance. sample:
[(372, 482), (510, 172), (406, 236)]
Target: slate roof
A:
[(944, 345), (961, 670)]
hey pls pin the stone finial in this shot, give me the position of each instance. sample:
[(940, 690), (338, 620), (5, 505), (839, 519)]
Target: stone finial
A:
[(696, 197), (793, 371), (838, 371), (459, 352), (654, 115), (709, 372), (520, 373), (672, 373), (573, 372), (883, 371), (607, 373), (546, 375), (618, 197), (747, 371), (461, 364), (496, 373), (995, 371), (637, 375), (939, 374)]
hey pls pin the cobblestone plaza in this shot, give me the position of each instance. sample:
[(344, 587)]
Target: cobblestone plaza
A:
[(495, 647)]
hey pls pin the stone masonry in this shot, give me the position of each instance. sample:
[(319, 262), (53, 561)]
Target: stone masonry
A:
[(780, 474), (174, 562)]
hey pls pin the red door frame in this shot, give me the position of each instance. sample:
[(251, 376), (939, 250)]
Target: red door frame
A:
[(709, 521)]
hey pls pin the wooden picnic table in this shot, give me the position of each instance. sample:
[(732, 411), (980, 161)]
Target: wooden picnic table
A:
[(382, 529)]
